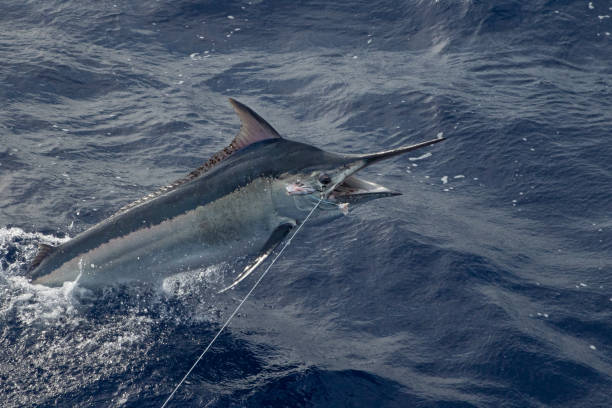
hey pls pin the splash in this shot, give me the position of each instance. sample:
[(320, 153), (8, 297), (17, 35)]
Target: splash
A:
[(18, 248), (57, 341)]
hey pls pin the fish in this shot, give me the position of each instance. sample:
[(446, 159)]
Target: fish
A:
[(242, 202)]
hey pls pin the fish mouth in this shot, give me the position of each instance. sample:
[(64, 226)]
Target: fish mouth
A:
[(354, 189), (351, 188)]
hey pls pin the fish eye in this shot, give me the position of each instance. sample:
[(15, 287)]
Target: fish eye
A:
[(324, 178)]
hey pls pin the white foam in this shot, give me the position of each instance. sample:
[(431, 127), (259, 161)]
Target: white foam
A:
[(40, 304), (421, 157), (183, 283), (7, 234), (444, 179), (26, 244), (123, 399), (59, 332)]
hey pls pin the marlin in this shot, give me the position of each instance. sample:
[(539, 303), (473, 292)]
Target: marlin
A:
[(242, 202)]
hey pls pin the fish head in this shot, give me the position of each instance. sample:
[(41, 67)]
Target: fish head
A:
[(331, 178), (303, 175)]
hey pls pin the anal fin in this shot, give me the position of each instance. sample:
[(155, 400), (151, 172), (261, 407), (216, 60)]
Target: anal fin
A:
[(275, 239)]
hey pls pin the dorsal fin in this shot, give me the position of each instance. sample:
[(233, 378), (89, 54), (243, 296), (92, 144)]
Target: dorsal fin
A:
[(44, 251), (253, 128)]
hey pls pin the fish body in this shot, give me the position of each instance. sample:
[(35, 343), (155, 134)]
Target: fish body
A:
[(242, 202)]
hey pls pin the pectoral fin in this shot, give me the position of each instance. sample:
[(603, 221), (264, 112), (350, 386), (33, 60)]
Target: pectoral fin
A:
[(275, 239)]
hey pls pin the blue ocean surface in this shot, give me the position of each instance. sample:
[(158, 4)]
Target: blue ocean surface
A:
[(488, 283)]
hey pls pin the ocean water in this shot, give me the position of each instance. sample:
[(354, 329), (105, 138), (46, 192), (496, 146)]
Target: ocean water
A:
[(487, 284)]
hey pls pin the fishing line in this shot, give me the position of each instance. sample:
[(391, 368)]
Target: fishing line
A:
[(241, 303), (315, 199)]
